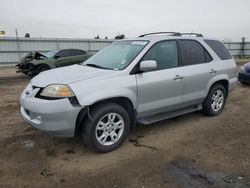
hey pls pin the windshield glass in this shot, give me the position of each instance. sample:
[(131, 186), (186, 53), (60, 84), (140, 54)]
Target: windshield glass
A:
[(50, 54), (116, 56)]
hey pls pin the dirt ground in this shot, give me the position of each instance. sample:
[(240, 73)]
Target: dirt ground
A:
[(29, 158)]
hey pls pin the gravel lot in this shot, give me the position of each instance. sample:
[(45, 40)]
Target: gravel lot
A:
[(219, 144)]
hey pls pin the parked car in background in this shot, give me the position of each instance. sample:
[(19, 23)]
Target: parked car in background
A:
[(244, 74), (34, 62), (145, 79)]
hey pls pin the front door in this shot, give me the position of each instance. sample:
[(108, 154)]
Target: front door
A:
[(160, 90), (63, 58)]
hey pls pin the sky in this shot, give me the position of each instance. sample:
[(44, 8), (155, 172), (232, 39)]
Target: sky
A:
[(223, 19)]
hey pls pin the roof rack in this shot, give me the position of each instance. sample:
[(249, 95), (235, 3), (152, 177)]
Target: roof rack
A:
[(173, 34), (196, 34), (156, 33)]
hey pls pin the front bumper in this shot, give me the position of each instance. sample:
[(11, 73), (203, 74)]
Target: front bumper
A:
[(23, 67), (57, 117), (244, 77)]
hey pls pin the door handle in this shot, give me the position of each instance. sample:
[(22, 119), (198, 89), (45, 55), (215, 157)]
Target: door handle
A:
[(178, 77), (212, 71)]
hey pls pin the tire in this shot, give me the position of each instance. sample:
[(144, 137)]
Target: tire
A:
[(215, 100), (40, 68), (100, 132), (243, 83)]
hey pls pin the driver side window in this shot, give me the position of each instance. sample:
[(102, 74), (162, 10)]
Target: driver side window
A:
[(165, 53), (63, 53)]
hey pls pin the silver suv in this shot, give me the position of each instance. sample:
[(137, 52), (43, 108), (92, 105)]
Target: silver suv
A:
[(147, 79)]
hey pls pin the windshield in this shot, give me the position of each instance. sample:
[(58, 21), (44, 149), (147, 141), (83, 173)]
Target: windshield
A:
[(116, 56), (50, 54)]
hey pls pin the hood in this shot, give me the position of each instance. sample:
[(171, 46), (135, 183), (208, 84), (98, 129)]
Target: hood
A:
[(32, 56), (68, 75), (247, 65)]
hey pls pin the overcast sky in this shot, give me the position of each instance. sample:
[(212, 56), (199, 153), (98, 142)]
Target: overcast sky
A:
[(223, 19)]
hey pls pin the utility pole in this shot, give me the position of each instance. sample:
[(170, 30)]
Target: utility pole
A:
[(18, 45)]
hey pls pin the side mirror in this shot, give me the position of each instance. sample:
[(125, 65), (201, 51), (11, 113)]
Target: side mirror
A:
[(56, 56), (148, 65)]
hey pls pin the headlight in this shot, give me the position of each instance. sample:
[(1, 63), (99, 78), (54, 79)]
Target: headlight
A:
[(243, 69), (57, 91)]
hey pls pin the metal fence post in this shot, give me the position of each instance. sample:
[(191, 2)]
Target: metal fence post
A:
[(89, 45), (243, 47), (18, 46), (57, 44)]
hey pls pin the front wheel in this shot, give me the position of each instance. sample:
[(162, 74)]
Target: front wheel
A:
[(106, 128), (37, 69), (243, 83), (215, 101)]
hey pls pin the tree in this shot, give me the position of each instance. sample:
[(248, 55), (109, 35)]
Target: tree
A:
[(27, 35), (122, 36), (97, 37), (2, 32)]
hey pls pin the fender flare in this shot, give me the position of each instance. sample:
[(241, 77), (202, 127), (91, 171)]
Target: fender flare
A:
[(221, 77)]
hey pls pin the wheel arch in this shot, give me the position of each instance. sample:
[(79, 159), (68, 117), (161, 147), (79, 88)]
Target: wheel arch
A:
[(125, 102), (223, 82), (222, 79), (49, 62)]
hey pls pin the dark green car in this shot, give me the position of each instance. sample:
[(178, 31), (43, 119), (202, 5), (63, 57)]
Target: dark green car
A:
[(34, 62)]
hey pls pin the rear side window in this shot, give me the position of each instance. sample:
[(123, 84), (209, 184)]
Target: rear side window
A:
[(77, 52), (219, 49), (193, 53)]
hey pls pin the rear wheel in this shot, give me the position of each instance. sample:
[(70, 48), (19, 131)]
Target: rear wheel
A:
[(107, 127), (215, 101)]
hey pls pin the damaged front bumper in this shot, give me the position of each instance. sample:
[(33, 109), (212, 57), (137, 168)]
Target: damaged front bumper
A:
[(24, 68)]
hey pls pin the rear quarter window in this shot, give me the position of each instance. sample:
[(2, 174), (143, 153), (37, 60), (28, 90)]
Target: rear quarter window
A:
[(219, 49)]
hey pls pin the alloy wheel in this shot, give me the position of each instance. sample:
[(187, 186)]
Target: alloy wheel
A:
[(217, 100), (109, 129)]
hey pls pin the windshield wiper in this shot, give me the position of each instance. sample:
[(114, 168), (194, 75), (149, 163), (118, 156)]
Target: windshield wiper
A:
[(96, 66)]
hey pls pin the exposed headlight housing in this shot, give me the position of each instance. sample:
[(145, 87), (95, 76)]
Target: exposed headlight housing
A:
[(243, 69), (57, 91)]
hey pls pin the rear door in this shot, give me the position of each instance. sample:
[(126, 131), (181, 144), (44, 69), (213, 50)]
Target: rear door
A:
[(162, 89), (225, 63), (77, 56), (198, 70)]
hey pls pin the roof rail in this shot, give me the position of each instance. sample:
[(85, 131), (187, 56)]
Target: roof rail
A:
[(156, 33), (196, 34), (173, 34)]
